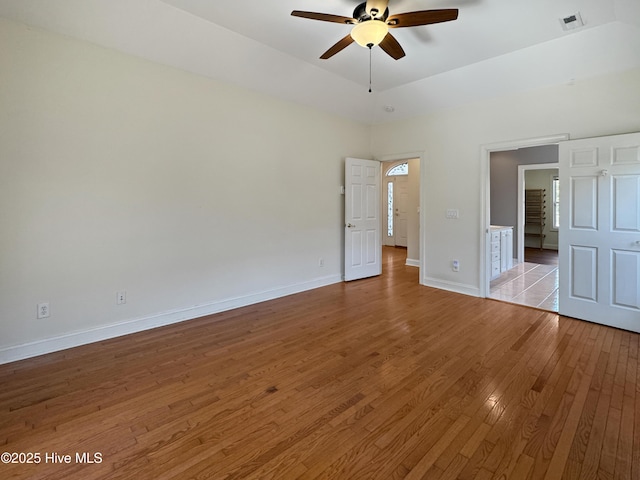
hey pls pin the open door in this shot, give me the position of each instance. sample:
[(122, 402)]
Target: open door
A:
[(396, 219), (600, 230), (362, 236), (401, 209)]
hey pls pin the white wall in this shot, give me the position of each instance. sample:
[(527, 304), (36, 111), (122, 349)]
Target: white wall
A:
[(413, 218), (452, 176), (121, 174)]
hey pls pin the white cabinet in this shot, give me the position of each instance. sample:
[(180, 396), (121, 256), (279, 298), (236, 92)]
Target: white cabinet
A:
[(501, 250)]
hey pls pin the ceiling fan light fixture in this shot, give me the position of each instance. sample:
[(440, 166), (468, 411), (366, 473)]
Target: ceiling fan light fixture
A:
[(369, 33)]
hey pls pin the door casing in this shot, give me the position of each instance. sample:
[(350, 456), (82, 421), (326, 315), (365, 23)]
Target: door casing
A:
[(522, 169)]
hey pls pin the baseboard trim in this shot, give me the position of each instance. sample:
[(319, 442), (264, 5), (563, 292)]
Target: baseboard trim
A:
[(98, 334), (412, 262), (451, 286)]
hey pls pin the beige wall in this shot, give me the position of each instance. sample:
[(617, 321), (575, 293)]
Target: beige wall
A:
[(121, 174)]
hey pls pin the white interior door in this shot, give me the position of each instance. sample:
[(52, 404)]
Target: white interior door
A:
[(599, 236), (388, 207), (401, 206), (362, 236)]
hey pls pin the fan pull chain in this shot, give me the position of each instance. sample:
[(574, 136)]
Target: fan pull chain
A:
[(370, 67)]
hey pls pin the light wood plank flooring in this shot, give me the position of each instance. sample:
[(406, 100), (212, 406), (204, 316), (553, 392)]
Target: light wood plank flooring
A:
[(375, 379)]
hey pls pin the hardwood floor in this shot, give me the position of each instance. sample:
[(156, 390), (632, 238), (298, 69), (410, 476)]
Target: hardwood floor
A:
[(542, 257), (375, 379)]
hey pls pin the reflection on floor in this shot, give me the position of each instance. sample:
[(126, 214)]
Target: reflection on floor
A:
[(529, 284)]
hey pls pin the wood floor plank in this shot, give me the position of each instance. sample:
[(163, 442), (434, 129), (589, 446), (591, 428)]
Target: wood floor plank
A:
[(429, 459), (596, 439), (455, 467), (473, 470), (625, 443), (635, 465), (583, 375), (379, 379)]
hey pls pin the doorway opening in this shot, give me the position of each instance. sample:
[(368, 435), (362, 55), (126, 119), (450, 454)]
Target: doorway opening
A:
[(364, 213), (396, 198), (400, 206), (534, 279), (520, 245)]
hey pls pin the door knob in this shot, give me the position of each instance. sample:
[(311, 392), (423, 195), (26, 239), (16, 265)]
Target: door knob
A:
[(350, 225)]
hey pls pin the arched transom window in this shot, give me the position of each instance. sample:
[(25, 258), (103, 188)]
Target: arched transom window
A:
[(400, 169)]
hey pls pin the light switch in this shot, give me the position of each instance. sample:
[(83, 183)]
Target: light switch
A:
[(452, 213)]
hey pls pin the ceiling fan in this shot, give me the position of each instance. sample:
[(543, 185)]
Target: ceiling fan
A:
[(371, 23)]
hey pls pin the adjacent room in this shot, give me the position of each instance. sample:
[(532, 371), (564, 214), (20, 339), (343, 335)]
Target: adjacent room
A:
[(525, 212), (185, 185)]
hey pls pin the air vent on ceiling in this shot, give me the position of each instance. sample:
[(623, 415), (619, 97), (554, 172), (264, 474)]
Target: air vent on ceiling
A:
[(571, 22)]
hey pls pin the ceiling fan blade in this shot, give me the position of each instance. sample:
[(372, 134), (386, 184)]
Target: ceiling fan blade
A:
[(325, 17), (341, 45), (390, 45), (424, 17)]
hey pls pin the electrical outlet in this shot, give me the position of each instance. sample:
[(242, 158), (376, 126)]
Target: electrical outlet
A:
[(43, 310), (321, 262), (121, 297), (455, 265)]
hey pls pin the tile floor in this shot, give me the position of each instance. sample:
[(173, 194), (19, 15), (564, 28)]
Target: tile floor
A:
[(529, 284)]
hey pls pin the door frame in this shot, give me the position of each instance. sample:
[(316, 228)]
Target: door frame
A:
[(399, 157), (485, 191), (385, 167), (522, 169)]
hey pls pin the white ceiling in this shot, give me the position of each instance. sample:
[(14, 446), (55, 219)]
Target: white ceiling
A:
[(495, 47)]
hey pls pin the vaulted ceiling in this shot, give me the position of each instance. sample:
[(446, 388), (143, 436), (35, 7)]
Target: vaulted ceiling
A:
[(495, 47)]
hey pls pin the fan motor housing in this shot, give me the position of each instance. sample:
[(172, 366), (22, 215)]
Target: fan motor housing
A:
[(361, 15)]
